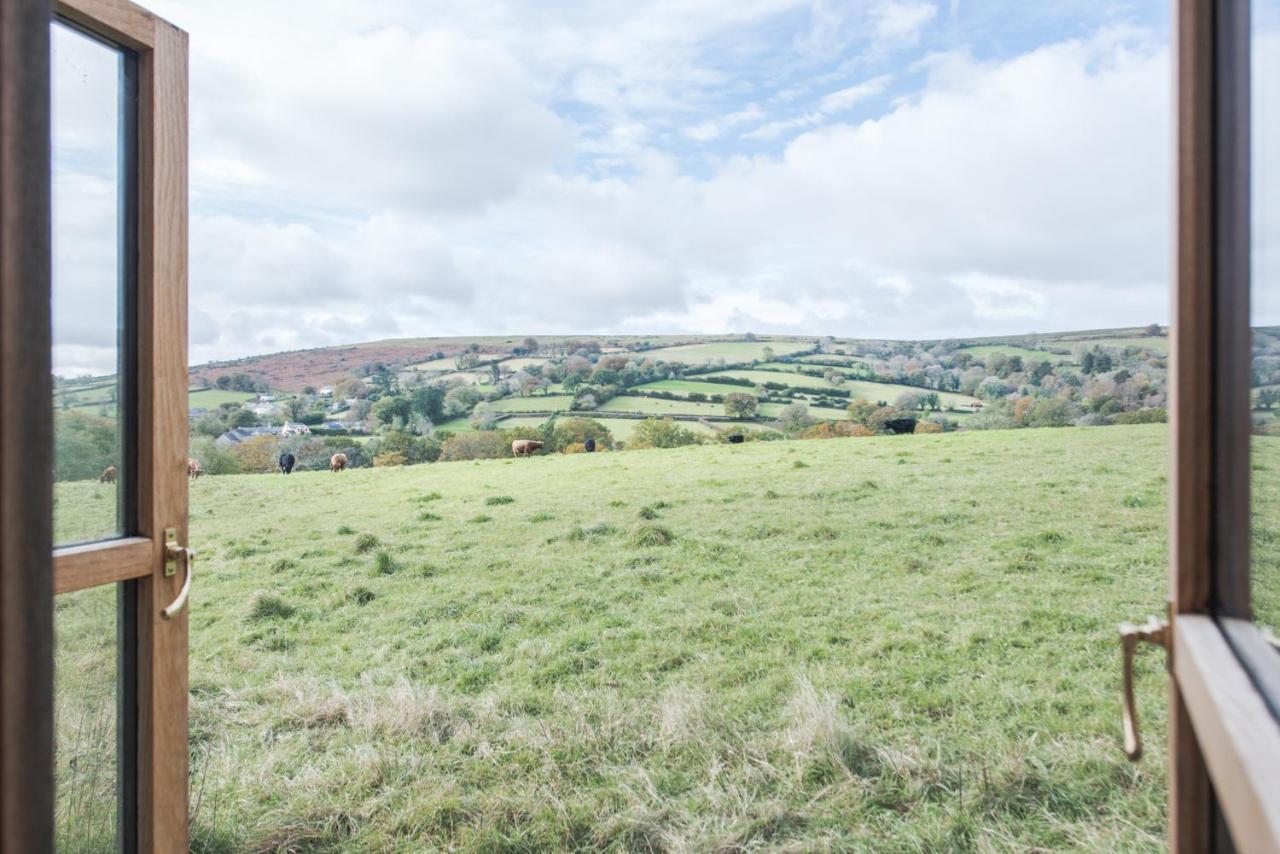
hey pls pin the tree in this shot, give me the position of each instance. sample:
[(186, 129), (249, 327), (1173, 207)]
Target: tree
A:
[(795, 416), (213, 458), (1268, 397), (459, 400), (530, 346), (84, 445), (483, 416), (767, 353), (242, 418), (834, 377), (388, 409), (428, 402), (1151, 329), (295, 407), (740, 405)]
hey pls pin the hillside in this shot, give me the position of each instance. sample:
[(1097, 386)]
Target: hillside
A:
[(852, 643)]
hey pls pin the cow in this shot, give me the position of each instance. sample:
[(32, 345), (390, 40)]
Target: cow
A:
[(193, 468), (525, 447), (737, 439), (108, 475), (589, 446), (287, 462), (337, 462), (901, 425)]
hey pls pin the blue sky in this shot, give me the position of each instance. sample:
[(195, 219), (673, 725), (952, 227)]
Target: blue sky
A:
[(872, 168)]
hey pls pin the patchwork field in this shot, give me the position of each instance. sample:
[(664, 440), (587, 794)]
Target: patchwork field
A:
[(212, 398), (730, 351), (985, 350), (889, 644), (534, 403), (856, 388)]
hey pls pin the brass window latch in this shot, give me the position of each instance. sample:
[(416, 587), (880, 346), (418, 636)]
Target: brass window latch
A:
[(172, 552), (1153, 631)]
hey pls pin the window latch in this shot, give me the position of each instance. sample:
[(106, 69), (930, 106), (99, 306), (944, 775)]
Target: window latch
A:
[(1153, 631)]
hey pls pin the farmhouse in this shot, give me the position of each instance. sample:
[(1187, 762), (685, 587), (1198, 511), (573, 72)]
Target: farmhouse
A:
[(241, 434)]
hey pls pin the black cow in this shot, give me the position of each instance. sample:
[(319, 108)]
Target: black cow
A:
[(287, 462), (589, 446), (901, 425), (737, 439)]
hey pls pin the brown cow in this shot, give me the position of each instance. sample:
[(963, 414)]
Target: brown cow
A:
[(337, 462), (525, 447), (108, 475), (193, 469)]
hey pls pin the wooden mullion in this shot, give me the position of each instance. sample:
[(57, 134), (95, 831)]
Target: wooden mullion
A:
[(1191, 390), (26, 432), (162, 405)]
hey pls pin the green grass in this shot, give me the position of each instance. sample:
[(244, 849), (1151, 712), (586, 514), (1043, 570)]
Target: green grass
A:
[(659, 407), (889, 644), (212, 398), (857, 388), (1155, 344), (536, 403), (730, 351), (687, 386)]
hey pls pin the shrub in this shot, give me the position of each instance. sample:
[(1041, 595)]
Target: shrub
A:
[(385, 564), (389, 459), (662, 433), (1142, 416), (366, 543), (576, 431), (652, 535), (265, 606), (928, 427), (257, 455), (487, 445)]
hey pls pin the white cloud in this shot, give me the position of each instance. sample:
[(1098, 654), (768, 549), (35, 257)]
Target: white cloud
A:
[(839, 101), (997, 297), (902, 20)]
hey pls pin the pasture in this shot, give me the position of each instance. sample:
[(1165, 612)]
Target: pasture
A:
[(864, 389), (659, 407), (212, 398), (533, 403), (730, 351), (887, 644)]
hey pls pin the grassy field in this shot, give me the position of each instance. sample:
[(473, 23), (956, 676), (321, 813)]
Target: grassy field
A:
[(857, 388), (890, 644), (212, 398), (535, 403), (659, 407), (730, 351), (687, 386), (1156, 344)]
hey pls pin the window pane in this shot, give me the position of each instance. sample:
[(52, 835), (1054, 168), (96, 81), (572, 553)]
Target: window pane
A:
[(1265, 192), (87, 287), (85, 719)]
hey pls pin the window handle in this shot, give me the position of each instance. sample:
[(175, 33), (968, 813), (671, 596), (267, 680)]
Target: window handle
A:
[(172, 552), (1153, 631)]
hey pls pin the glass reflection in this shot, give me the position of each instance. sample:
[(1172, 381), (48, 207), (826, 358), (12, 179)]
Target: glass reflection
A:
[(1265, 307), (87, 286)]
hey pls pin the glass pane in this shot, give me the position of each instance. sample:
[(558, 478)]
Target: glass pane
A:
[(85, 719), (1265, 191), (87, 276)]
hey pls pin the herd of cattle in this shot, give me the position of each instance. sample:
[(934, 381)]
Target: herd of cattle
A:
[(338, 462)]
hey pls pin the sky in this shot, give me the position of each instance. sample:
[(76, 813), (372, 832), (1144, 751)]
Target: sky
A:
[(870, 168)]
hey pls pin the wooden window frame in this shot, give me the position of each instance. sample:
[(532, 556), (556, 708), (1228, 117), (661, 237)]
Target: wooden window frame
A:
[(154, 679), (1224, 741)]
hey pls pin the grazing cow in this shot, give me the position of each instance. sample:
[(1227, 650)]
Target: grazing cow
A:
[(901, 425), (525, 447), (108, 475), (337, 462), (589, 446), (737, 439), (287, 462), (193, 468)]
